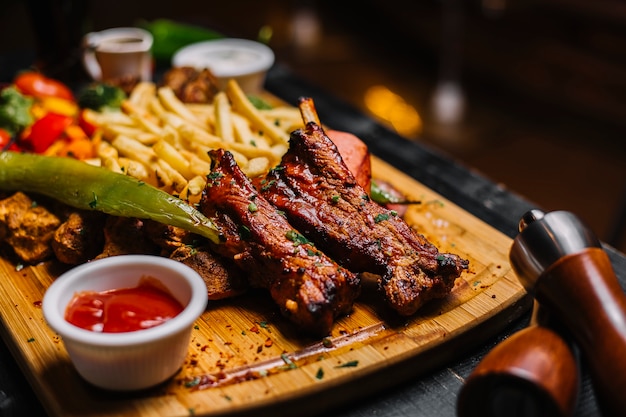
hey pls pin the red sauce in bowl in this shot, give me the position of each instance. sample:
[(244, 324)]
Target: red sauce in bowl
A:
[(123, 310)]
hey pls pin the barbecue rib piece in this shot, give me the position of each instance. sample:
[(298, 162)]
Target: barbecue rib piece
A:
[(310, 288), (322, 199)]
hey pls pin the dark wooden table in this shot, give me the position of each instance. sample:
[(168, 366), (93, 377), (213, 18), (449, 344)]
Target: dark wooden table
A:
[(433, 394)]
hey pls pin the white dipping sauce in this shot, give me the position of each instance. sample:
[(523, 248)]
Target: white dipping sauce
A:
[(226, 57)]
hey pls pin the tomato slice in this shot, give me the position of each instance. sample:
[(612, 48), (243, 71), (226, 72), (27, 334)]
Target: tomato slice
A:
[(5, 142), (5, 138), (36, 84)]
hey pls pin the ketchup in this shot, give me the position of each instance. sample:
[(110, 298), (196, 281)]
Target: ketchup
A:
[(123, 310)]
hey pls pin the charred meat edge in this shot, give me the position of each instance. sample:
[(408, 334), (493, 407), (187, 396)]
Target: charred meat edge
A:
[(310, 288), (322, 199)]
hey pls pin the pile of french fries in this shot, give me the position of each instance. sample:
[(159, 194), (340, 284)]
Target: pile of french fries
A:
[(162, 141)]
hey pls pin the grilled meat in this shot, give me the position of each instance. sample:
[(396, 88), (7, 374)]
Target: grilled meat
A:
[(28, 228), (169, 238), (191, 85), (125, 235), (79, 238), (222, 278), (309, 288), (322, 199)]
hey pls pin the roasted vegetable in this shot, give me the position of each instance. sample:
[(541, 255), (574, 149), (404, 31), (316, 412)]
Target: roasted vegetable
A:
[(88, 187), (6, 141), (101, 96), (35, 84), (44, 132), (14, 110)]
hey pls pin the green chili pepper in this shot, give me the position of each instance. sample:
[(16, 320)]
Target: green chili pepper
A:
[(89, 187), (169, 36)]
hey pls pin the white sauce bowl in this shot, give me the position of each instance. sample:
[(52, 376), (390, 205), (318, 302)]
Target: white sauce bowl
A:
[(244, 60), (130, 360)]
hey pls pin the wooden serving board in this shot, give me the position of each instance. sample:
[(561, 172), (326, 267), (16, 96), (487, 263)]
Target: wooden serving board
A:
[(246, 359)]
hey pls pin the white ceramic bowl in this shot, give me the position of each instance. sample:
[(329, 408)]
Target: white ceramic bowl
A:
[(130, 360), (243, 60)]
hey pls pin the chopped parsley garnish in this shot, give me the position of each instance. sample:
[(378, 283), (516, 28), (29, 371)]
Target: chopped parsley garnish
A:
[(194, 382), (268, 185), (381, 217), (244, 232), (312, 252), (351, 364), (296, 237), (252, 208), (214, 176), (288, 362)]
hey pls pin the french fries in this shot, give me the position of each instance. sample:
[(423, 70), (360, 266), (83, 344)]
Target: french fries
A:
[(164, 142)]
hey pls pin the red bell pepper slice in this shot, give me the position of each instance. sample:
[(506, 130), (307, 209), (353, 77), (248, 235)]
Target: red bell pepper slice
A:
[(87, 125), (45, 131)]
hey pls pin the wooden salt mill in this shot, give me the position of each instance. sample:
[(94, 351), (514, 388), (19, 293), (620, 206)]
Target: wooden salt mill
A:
[(562, 264)]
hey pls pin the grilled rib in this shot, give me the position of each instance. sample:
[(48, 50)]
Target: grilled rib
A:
[(322, 199), (310, 288)]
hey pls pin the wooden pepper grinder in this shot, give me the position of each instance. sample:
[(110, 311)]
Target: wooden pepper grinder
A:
[(534, 372), (561, 262)]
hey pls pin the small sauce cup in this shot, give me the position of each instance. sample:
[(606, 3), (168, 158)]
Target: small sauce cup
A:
[(129, 360), (244, 60), (118, 53)]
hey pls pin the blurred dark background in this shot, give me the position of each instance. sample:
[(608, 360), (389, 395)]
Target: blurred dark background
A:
[(532, 94)]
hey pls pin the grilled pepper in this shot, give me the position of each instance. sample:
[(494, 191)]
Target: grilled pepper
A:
[(88, 187), (45, 131), (14, 110)]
